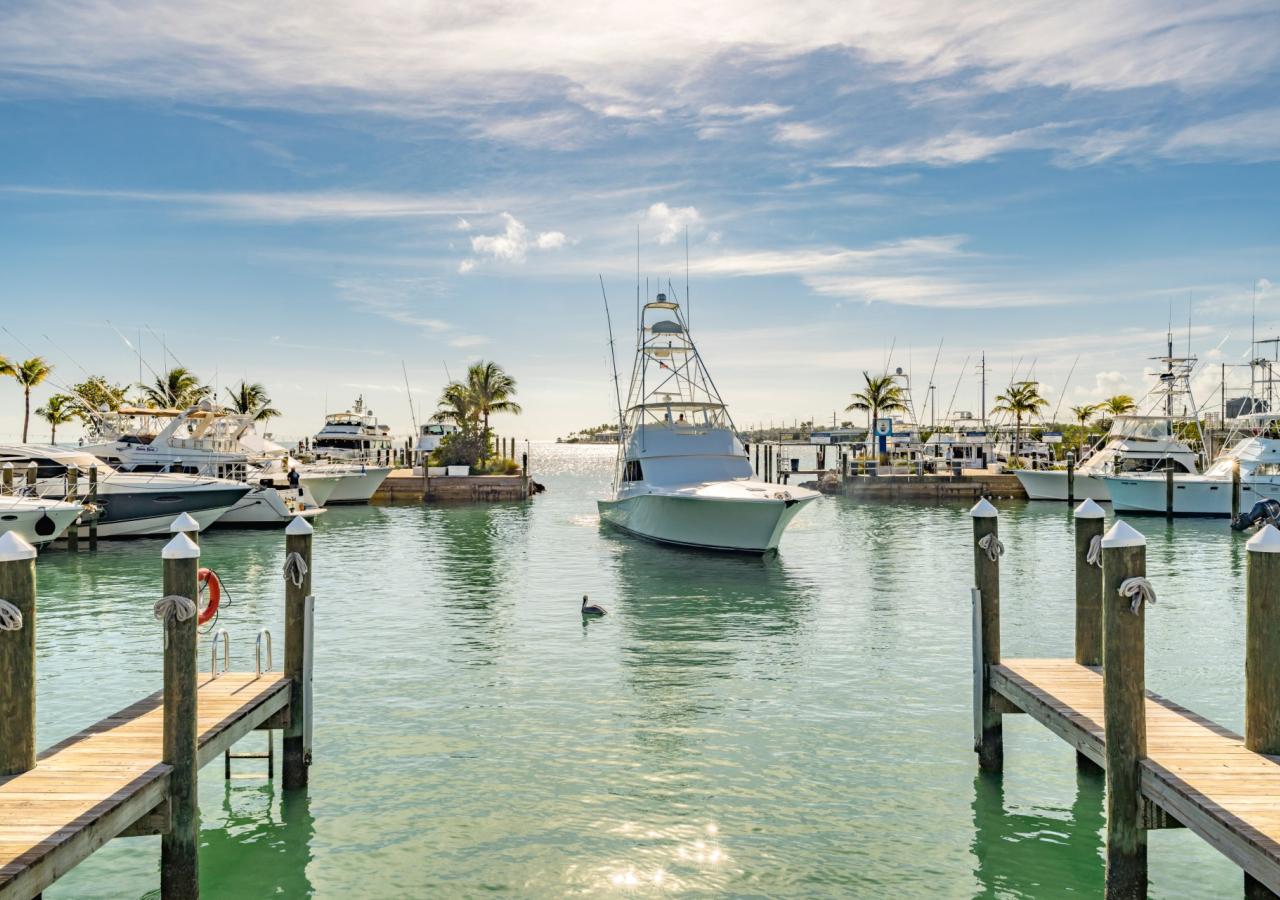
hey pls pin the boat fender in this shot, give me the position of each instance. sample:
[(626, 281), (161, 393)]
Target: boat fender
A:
[(45, 526), (207, 578)]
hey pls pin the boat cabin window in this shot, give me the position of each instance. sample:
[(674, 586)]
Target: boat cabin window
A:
[(632, 471), (1267, 469), (1129, 464)]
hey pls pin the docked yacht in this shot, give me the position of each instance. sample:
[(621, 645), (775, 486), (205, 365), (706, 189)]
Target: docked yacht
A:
[(430, 435), (202, 440), (1257, 452), (354, 443), (38, 520), (682, 476), (128, 504)]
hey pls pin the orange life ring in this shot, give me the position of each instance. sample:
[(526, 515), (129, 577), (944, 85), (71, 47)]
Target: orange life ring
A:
[(209, 578)]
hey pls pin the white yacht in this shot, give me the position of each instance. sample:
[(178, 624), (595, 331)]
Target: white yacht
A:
[(128, 504), (202, 440), (1258, 453), (39, 520), (355, 442), (682, 476), (430, 434)]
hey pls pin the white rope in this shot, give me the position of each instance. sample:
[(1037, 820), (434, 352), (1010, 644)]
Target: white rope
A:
[(295, 568), (10, 617), (174, 608), (1139, 591), (991, 544), (1094, 556)]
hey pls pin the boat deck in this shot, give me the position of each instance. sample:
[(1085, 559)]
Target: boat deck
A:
[(1196, 771), (108, 781)]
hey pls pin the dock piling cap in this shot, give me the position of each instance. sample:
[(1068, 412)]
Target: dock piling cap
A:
[(183, 523), (181, 547), (1123, 534), (983, 510), (298, 526), (15, 548), (1267, 540), (1089, 510)]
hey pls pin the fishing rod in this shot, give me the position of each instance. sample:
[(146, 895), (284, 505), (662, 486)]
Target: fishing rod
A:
[(409, 394), (613, 357), (959, 379), (1065, 385)]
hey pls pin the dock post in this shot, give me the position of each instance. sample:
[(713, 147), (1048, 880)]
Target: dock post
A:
[(179, 846), (92, 498), (1124, 566), (986, 565), (73, 485), (32, 472), (187, 525), (6, 477), (1262, 659), (1071, 477), (1168, 493), (1235, 489), (17, 655), (297, 589), (1089, 527)]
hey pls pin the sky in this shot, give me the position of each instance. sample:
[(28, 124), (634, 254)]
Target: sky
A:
[(323, 196)]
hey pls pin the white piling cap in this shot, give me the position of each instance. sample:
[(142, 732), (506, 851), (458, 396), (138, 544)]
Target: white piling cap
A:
[(1267, 540), (183, 523), (298, 526), (1089, 510), (1123, 534), (14, 547), (181, 547), (7, 465), (983, 510)]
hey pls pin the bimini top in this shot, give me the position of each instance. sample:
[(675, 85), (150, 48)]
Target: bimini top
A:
[(660, 302)]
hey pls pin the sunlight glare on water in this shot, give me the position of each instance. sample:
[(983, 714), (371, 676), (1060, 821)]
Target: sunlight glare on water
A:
[(793, 726)]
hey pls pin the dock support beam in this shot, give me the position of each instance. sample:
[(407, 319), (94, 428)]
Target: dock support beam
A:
[(17, 655), (297, 587), (1089, 525), (179, 846), (986, 568), (1262, 660), (1124, 699)]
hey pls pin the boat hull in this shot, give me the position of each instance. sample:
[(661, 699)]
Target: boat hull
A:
[(1051, 484), (740, 526), (150, 513), (359, 485), (23, 521), (264, 507), (1195, 496)]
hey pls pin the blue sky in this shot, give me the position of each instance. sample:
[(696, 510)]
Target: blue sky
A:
[(307, 194)]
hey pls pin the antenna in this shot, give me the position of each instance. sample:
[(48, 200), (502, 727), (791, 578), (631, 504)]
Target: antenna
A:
[(687, 317), (617, 395)]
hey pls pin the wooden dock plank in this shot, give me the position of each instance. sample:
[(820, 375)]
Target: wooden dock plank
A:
[(1196, 770), (90, 787)]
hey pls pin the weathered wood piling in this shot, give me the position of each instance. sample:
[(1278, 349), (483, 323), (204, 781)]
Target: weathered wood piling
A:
[(17, 655), (179, 846), (297, 600), (987, 550)]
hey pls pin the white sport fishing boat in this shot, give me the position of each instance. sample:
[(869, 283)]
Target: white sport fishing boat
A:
[(1134, 445), (38, 520), (682, 476), (201, 440), (352, 443)]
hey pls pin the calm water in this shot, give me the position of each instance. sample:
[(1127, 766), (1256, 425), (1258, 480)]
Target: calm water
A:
[(798, 726)]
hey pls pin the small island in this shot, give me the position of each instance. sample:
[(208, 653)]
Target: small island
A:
[(597, 434)]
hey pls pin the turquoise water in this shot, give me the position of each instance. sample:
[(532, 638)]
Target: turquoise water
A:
[(798, 726)]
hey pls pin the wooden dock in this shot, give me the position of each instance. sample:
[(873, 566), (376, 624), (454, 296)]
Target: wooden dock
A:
[(1165, 766), (108, 781)]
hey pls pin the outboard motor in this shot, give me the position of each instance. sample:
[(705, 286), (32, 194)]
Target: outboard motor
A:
[(1263, 512)]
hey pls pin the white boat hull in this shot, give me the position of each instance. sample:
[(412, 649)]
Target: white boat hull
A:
[(744, 526), (265, 507), (1051, 484), (22, 518), (1192, 496), (154, 526), (359, 485)]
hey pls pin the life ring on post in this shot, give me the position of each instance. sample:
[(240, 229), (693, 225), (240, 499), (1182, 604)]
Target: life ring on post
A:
[(207, 578)]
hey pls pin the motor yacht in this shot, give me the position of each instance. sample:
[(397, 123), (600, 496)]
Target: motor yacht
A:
[(353, 443), (682, 476), (38, 520), (128, 504)]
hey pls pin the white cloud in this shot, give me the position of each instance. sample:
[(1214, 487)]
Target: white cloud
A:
[(466, 266), (954, 148), (397, 299), (747, 113), (513, 243), (1253, 136), (468, 340), (799, 133), (671, 222), (463, 224)]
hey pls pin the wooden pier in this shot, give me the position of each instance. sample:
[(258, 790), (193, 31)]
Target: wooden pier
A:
[(135, 772), (1165, 766)]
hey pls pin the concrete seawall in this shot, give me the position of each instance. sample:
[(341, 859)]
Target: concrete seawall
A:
[(926, 488), (403, 485)]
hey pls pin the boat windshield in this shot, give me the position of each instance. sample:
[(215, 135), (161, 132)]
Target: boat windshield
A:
[(1141, 428)]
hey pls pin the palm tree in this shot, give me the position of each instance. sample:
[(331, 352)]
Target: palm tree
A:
[(252, 398), (1082, 415), (1119, 405), (58, 410), (881, 394), (491, 389), (455, 405), (179, 387), (1022, 399), (28, 373)]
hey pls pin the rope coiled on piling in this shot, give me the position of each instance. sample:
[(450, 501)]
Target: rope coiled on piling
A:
[(10, 617), (295, 568), (174, 608), (1094, 556), (1139, 591), (991, 544)]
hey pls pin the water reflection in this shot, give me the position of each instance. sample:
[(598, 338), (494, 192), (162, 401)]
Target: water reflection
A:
[(1044, 851), (252, 852)]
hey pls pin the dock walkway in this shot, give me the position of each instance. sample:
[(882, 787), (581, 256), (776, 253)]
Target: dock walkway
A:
[(1196, 771), (108, 781)]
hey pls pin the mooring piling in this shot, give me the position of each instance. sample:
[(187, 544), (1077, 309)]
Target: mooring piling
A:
[(17, 655), (179, 846), (32, 472), (1124, 702), (1168, 492), (1089, 526), (186, 524), (1071, 477), (73, 493), (92, 499), (986, 564), (1235, 489), (297, 600), (1262, 659), (6, 477)]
